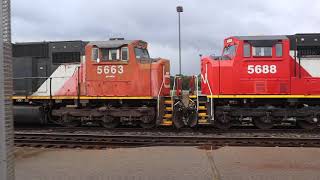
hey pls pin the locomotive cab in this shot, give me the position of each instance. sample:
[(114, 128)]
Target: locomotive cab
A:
[(249, 66), (123, 68)]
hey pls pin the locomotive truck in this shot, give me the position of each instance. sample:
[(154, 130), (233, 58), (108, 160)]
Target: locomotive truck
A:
[(264, 80)]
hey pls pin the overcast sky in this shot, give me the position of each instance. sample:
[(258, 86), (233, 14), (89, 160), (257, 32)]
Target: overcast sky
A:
[(205, 23)]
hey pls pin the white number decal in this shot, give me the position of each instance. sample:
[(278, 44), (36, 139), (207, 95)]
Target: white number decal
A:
[(113, 69), (120, 69), (106, 69), (250, 69), (110, 69), (265, 69), (258, 69), (99, 70), (273, 69)]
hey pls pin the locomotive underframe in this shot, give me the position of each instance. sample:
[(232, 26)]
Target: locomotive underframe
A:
[(264, 112), (108, 113)]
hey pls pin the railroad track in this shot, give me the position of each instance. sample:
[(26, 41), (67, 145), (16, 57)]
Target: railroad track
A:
[(133, 130), (96, 141)]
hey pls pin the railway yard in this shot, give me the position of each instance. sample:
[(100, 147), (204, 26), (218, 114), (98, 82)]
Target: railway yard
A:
[(102, 108)]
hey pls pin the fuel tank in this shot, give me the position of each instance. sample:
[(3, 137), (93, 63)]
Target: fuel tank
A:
[(29, 115)]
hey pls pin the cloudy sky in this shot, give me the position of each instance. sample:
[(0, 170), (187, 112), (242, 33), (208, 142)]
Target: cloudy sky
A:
[(205, 23)]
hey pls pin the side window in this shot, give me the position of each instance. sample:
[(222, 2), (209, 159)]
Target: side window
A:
[(262, 51), (95, 54), (124, 54), (246, 50), (104, 54), (279, 50)]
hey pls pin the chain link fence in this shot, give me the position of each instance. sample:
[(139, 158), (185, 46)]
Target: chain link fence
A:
[(6, 122)]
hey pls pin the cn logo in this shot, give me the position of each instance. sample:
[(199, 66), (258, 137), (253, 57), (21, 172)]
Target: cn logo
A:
[(204, 78)]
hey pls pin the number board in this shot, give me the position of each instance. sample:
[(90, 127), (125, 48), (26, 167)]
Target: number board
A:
[(110, 70), (262, 69)]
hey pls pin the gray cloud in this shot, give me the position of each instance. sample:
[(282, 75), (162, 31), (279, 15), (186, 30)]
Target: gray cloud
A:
[(205, 23)]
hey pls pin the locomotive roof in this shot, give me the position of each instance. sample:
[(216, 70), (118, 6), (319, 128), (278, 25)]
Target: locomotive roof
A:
[(257, 38), (110, 44)]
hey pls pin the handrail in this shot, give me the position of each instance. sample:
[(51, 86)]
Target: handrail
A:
[(162, 84), (211, 99), (48, 78), (197, 91), (174, 86)]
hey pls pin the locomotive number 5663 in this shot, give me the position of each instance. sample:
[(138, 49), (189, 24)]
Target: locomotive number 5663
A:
[(110, 69)]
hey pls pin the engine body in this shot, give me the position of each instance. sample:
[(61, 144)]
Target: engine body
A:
[(91, 82), (266, 79)]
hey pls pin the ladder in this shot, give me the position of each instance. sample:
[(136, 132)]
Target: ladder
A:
[(168, 110)]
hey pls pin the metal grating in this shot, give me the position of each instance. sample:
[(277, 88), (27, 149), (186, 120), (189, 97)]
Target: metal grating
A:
[(6, 123)]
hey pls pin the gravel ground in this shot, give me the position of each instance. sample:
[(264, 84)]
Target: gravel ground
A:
[(169, 163)]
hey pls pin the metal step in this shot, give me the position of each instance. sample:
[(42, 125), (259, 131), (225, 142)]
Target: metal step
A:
[(167, 116), (202, 114), (166, 122), (202, 108), (168, 102)]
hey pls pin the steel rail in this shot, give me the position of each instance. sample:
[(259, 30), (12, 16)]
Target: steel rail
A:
[(68, 140)]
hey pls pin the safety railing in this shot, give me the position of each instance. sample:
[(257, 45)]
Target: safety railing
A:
[(40, 83), (160, 90), (212, 118)]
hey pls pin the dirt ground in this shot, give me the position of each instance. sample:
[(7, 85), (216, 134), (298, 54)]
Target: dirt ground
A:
[(169, 163)]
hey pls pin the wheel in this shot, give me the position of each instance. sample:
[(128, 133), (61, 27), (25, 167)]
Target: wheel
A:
[(223, 122), (177, 117), (147, 122), (306, 123), (109, 122), (192, 117), (68, 121), (263, 122)]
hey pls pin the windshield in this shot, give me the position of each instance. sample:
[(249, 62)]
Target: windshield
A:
[(141, 53), (229, 51)]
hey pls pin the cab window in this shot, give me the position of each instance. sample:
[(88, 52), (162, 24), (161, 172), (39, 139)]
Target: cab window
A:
[(278, 50), (141, 53), (104, 54), (95, 54), (113, 54), (124, 54), (229, 52), (262, 51), (246, 50)]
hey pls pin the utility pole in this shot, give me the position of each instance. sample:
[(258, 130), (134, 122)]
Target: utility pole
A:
[(179, 10), (6, 122)]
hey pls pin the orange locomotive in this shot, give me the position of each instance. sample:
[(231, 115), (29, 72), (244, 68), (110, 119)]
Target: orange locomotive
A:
[(115, 82)]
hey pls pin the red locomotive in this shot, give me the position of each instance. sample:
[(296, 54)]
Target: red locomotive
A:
[(260, 80), (264, 80), (113, 82)]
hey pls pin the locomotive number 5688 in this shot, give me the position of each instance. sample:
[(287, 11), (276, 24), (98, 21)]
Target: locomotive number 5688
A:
[(262, 69)]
